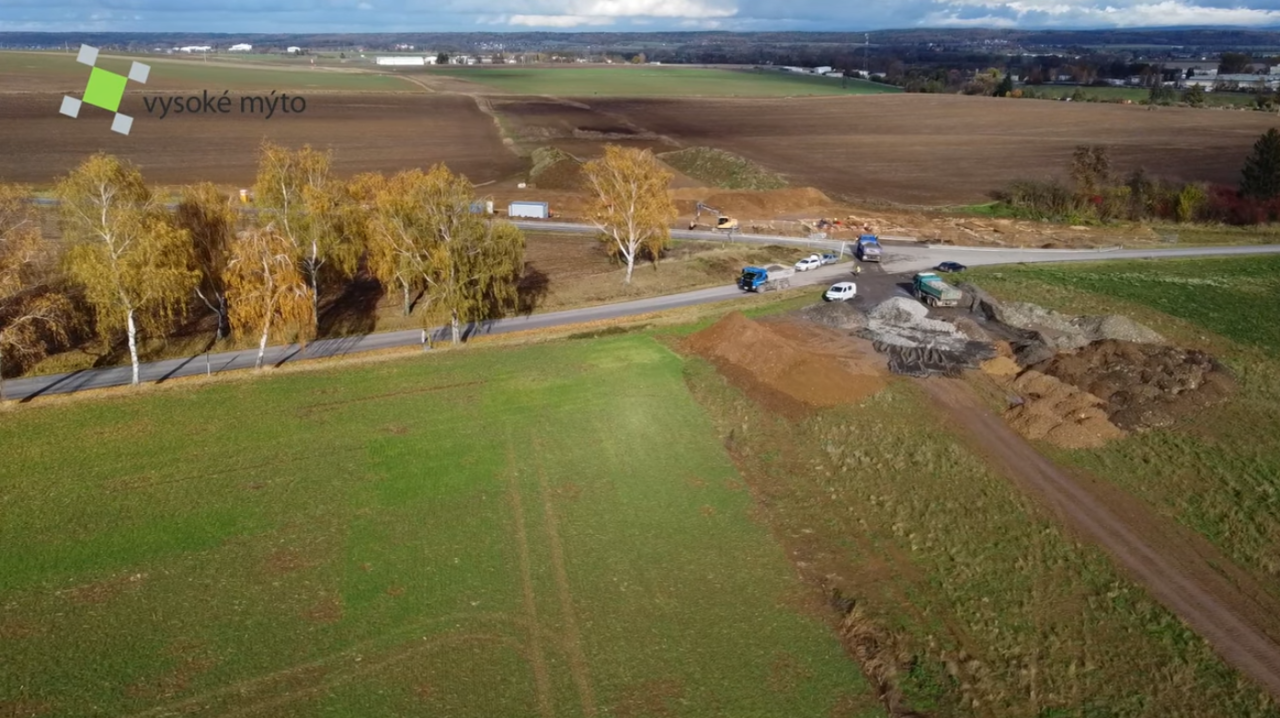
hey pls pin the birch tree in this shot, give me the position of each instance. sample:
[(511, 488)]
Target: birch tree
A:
[(209, 217), (133, 264), (33, 315), (473, 263), (269, 295), (631, 206), (399, 232), (297, 192)]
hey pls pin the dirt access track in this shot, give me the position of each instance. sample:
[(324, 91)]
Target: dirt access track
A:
[(938, 149), (1183, 572)]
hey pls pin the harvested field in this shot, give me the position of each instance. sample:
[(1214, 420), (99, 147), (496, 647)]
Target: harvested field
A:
[(933, 149), (789, 366), (1143, 386), (368, 132)]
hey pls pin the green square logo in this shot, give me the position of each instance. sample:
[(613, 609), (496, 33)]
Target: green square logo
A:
[(105, 89)]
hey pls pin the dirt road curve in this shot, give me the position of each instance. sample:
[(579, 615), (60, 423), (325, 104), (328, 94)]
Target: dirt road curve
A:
[(1187, 575)]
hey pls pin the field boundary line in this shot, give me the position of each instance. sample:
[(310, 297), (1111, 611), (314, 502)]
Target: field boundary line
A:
[(540, 675), (572, 637)]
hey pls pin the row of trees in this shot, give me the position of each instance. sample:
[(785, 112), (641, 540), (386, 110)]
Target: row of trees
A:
[(129, 266), (1095, 192)]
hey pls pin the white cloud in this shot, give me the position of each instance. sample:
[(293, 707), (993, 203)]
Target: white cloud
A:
[(1117, 14), (557, 20), (574, 13), (364, 6)]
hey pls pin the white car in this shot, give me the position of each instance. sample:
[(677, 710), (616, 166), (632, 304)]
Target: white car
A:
[(841, 291), (808, 263)]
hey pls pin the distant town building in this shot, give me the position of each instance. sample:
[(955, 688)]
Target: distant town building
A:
[(404, 47), (822, 70), (196, 48), (293, 50), (242, 47), (405, 60)]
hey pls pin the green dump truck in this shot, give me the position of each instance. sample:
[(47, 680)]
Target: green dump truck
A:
[(930, 289)]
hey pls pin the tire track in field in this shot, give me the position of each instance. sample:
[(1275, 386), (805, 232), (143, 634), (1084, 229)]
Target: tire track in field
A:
[(536, 656), (572, 637)]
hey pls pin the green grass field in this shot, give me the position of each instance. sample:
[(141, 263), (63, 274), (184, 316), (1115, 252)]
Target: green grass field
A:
[(33, 70), (654, 81), (537, 531), (1223, 477)]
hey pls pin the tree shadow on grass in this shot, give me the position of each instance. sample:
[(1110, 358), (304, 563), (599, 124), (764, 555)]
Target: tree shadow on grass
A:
[(532, 289), (353, 311)]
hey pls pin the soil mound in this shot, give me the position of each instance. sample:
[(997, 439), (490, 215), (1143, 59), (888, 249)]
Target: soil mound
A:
[(1143, 386), (1057, 412), (748, 205), (555, 169), (788, 366), (722, 169)]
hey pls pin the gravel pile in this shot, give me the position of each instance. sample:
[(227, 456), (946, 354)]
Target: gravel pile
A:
[(837, 315), (904, 322), (920, 346), (1064, 332)]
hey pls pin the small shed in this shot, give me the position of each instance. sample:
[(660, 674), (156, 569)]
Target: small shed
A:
[(534, 210)]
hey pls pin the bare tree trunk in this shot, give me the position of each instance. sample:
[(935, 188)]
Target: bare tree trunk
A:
[(631, 264), (1, 374), (224, 322), (405, 285), (453, 324), (313, 268), (132, 329), (262, 343)]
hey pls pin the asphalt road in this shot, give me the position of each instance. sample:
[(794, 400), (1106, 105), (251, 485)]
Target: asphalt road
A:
[(31, 387), (899, 258)]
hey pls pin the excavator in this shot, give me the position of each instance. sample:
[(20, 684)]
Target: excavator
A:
[(722, 221)]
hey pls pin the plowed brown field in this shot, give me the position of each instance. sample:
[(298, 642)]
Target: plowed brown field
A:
[(367, 131), (931, 149)]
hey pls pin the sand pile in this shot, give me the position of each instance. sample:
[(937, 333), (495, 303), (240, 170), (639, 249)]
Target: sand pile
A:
[(788, 366), (1059, 413), (1143, 386), (1000, 366)]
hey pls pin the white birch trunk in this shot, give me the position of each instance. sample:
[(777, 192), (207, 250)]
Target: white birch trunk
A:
[(262, 343), (132, 328)]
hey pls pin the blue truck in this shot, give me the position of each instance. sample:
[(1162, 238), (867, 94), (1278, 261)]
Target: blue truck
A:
[(765, 279), (868, 248)]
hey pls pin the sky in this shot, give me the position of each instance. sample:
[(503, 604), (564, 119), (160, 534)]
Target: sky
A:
[(305, 16)]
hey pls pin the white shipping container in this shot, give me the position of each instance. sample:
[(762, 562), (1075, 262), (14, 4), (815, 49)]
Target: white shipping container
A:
[(534, 210)]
